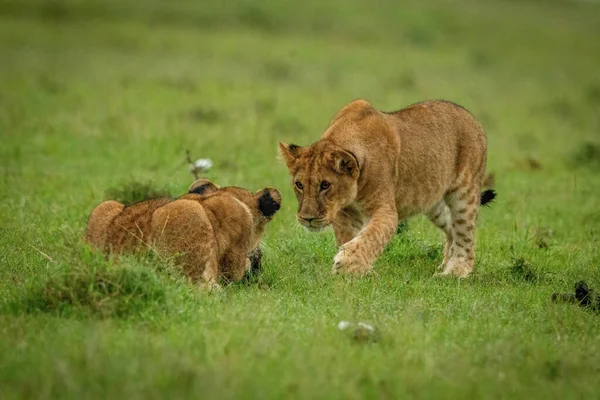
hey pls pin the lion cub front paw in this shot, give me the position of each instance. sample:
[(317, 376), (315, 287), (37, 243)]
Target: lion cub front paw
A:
[(347, 263), (211, 287)]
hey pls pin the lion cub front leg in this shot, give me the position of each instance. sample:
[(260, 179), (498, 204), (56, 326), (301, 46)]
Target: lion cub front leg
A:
[(358, 255), (346, 225), (210, 276), (235, 264)]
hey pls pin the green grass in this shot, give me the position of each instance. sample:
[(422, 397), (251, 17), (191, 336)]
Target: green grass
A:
[(97, 94)]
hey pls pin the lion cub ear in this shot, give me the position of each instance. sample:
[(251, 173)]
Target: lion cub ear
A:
[(289, 153), (203, 186), (345, 163), (268, 201)]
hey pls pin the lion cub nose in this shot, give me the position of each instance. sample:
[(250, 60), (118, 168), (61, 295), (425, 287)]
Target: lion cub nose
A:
[(306, 219)]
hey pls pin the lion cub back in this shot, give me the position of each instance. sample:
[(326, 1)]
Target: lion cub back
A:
[(202, 234), (112, 226)]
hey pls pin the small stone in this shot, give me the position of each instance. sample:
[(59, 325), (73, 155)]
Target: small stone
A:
[(366, 326), (365, 333), (360, 332)]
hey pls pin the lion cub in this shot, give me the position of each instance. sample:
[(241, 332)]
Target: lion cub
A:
[(372, 169), (212, 232)]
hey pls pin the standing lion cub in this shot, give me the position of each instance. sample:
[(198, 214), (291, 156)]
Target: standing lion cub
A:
[(372, 169), (212, 232)]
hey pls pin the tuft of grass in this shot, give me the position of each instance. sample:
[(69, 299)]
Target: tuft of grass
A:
[(522, 269), (542, 237), (95, 287), (588, 154), (135, 191), (207, 116), (593, 93), (402, 227), (278, 71)]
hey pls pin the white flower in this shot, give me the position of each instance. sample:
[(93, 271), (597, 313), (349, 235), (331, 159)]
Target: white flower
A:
[(343, 325), (201, 165)]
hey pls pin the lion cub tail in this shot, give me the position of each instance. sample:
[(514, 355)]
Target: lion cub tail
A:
[(487, 196)]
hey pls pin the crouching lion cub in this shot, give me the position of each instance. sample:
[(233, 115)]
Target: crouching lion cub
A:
[(372, 169), (212, 232)]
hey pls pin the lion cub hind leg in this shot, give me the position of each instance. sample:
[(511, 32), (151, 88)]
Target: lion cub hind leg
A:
[(181, 229), (464, 205), (442, 218), (99, 221)]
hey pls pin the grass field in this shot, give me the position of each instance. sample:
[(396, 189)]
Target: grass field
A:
[(95, 96)]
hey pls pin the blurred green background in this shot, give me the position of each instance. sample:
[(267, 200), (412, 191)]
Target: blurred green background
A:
[(98, 96)]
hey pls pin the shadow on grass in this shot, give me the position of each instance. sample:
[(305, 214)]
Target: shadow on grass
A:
[(523, 270), (205, 115), (405, 248), (587, 155), (278, 71)]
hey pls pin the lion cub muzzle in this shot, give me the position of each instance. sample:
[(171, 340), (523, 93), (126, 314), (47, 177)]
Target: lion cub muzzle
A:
[(313, 224)]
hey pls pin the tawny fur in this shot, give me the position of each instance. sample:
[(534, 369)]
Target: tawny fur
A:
[(211, 232), (380, 168)]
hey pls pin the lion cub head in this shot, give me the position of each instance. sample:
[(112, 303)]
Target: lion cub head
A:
[(262, 205), (324, 178)]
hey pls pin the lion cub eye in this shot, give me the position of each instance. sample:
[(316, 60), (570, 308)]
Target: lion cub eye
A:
[(299, 186), (325, 185)]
